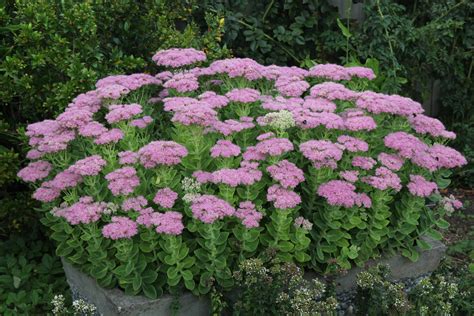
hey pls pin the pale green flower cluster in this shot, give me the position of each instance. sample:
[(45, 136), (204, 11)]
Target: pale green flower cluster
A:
[(281, 120)]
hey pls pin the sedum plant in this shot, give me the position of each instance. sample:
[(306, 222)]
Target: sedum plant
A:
[(158, 183)]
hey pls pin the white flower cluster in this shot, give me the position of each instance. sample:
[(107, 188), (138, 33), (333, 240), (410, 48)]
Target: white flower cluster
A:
[(192, 189), (281, 120), (81, 307)]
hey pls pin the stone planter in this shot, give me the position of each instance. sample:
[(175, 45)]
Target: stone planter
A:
[(115, 302)]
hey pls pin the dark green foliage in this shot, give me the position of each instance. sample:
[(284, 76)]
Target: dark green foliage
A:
[(30, 274)]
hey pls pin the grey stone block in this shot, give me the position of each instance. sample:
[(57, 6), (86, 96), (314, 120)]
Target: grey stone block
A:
[(401, 267), (115, 302)]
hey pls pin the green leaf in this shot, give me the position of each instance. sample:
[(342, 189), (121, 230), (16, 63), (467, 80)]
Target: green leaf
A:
[(187, 275), (137, 283), (423, 244), (63, 250), (16, 282), (285, 246), (344, 29), (149, 291), (434, 234), (442, 224)]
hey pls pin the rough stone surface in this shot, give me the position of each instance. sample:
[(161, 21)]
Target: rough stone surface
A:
[(115, 302), (401, 267)]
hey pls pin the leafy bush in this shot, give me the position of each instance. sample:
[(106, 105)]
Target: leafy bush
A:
[(434, 295), (30, 274), (278, 288), (237, 158)]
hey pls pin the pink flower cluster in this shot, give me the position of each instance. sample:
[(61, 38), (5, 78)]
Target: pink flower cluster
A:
[(322, 153), (183, 82), (282, 198), (166, 153), (245, 95), (123, 180), (336, 72), (352, 144), (342, 193), (178, 57), (291, 86), (89, 166), (84, 211), (225, 149), (131, 82), (393, 104), (122, 112), (248, 214), (134, 203), (247, 174), (384, 179), (208, 208), (165, 198), (419, 186), (286, 173), (35, 171), (120, 227)]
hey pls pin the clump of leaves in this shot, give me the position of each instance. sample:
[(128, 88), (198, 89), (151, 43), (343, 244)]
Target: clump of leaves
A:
[(278, 288), (29, 275), (376, 295)]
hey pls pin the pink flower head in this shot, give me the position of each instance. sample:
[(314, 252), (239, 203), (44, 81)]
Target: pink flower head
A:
[(350, 175), (35, 171), (361, 72), (445, 157), (419, 186), (405, 144), (274, 146), (46, 193), (319, 105), (123, 180), (122, 112), (392, 162), (127, 157), (183, 82), (120, 227), (110, 136), (308, 119), (238, 67), (291, 86), (245, 95), (112, 92), (247, 174), (322, 153), (286, 173), (229, 127), (169, 223), (330, 71), (134, 203), (142, 122), (248, 214), (225, 149), (178, 57), (427, 125), (342, 193), (165, 198), (89, 166), (381, 103), (92, 129), (213, 100), (352, 144), (279, 103), (384, 179), (64, 180), (208, 208), (251, 153), (332, 91), (84, 211), (195, 114), (166, 153), (282, 198), (362, 162), (75, 118)]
